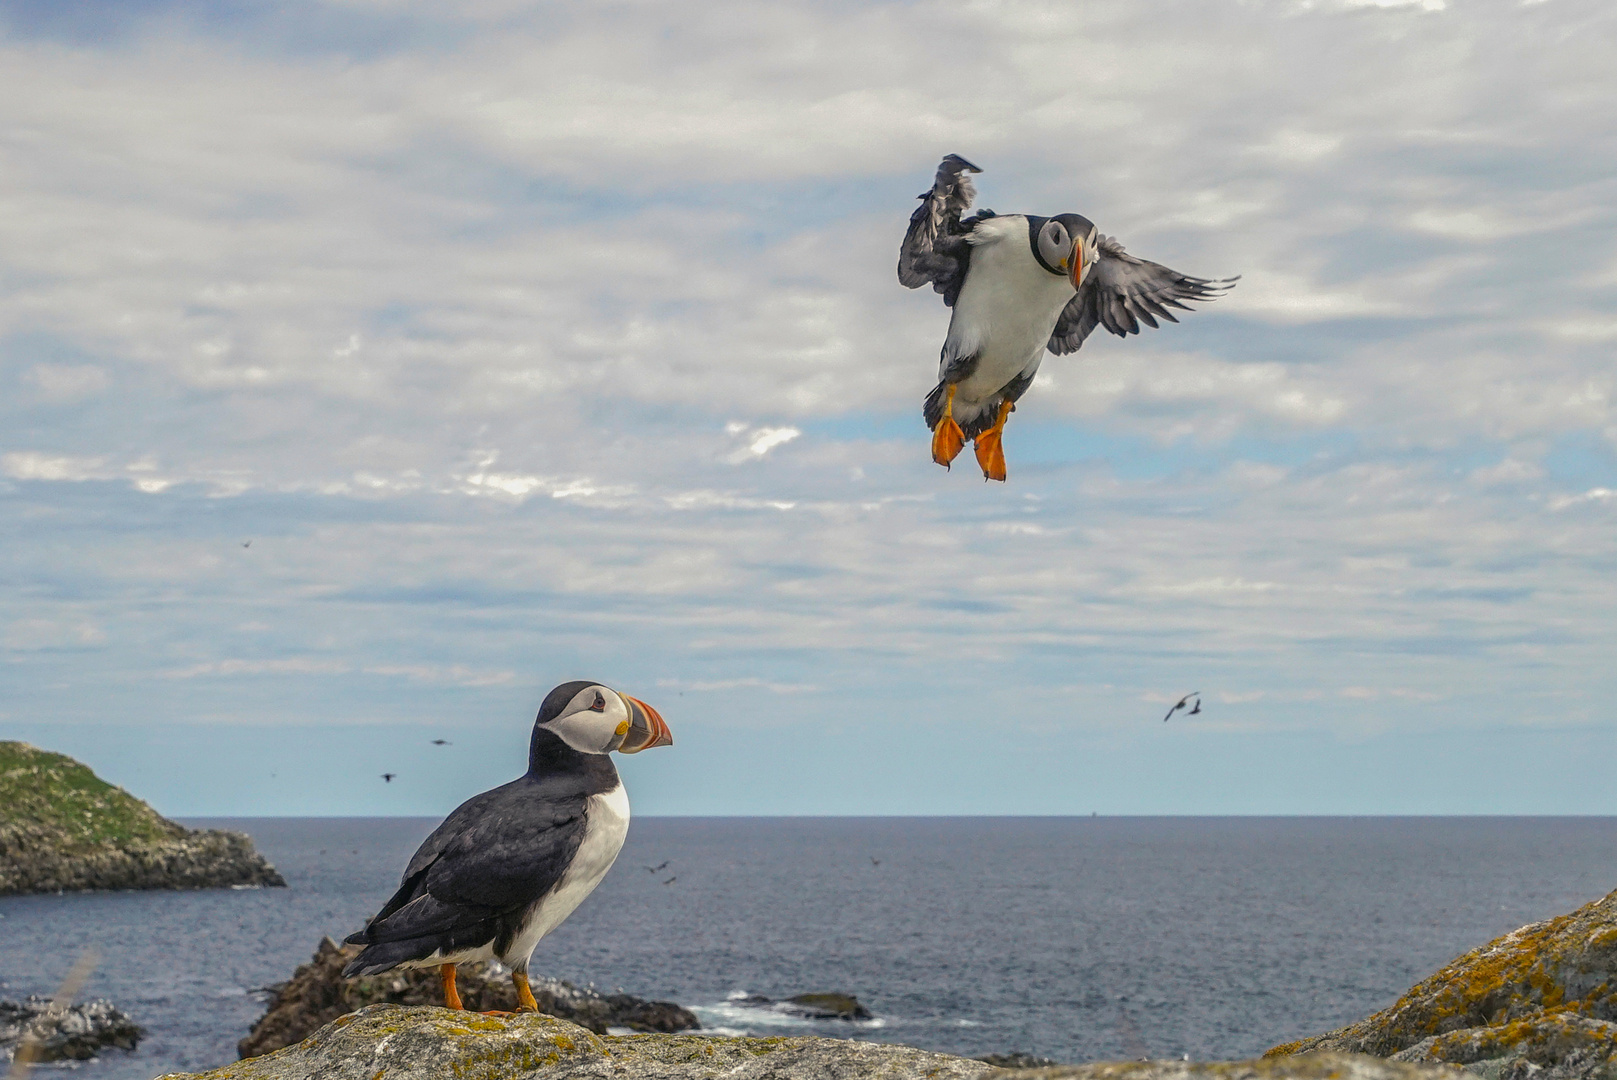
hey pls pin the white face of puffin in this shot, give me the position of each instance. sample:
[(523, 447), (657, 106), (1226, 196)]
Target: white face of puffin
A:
[(599, 720), (1073, 254)]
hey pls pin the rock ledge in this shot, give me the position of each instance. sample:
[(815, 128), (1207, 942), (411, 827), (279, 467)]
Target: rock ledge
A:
[(1540, 1001), (397, 1042)]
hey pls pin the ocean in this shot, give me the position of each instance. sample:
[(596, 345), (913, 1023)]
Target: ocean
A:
[(1078, 939)]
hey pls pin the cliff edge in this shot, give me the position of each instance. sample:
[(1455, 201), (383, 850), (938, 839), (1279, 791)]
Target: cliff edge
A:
[(64, 829), (1538, 1002)]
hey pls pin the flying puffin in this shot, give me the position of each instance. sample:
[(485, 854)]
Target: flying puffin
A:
[(1019, 284), (509, 865)]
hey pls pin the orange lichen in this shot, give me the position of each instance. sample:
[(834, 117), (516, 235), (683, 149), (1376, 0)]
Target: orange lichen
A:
[(1527, 976)]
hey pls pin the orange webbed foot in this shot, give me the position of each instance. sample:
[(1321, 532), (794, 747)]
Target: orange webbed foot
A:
[(446, 978), (947, 438), (947, 441), (524, 991), (990, 447)]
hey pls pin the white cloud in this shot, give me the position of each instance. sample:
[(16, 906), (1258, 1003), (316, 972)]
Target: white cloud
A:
[(67, 383), (26, 635), (757, 442), (455, 332)]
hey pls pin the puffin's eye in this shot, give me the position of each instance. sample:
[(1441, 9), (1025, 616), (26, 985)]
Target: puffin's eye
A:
[(600, 703)]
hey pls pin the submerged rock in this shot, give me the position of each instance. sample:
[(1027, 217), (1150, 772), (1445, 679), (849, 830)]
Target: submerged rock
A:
[(1540, 1001), (64, 829), (1018, 1059), (424, 1043), (76, 1033), (809, 1006), (826, 1007), (318, 994)]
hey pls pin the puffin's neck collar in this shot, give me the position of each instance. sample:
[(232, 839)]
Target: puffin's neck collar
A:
[(1034, 224), (548, 753)]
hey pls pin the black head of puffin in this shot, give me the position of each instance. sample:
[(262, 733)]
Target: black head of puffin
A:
[(593, 718), (1064, 245)]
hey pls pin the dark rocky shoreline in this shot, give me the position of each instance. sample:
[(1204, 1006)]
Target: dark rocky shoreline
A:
[(317, 994), (77, 1033), (33, 861)]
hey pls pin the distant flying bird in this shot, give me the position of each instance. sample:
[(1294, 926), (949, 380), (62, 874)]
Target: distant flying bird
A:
[(875, 861), (387, 777), (248, 544), (442, 742), (1020, 284), (671, 880), (659, 867), (509, 865), (1197, 709), (1182, 702)]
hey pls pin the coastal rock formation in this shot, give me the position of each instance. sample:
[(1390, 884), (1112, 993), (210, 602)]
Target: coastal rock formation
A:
[(317, 994), (1309, 1067), (76, 1033), (809, 1006), (424, 1043), (63, 829), (1540, 1001)]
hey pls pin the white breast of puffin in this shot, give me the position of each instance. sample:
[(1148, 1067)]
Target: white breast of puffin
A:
[(1006, 310), (606, 823)]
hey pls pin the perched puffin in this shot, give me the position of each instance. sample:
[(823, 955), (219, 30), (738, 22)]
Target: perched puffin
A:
[(1019, 284), (509, 865)]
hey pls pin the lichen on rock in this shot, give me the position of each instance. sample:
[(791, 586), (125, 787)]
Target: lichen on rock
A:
[(396, 1042), (403, 1042), (1543, 997), (317, 994)]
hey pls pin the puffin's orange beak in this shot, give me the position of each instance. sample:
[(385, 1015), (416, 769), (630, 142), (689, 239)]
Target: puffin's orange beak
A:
[(1076, 270), (646, 728)]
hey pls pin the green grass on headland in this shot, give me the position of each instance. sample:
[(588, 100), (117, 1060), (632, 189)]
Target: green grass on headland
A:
[(41, 788)]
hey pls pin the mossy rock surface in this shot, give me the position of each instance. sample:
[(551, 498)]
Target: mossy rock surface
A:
[(64, 829), (317, 994), (38, 787), (400, 1042), (1541, 999)]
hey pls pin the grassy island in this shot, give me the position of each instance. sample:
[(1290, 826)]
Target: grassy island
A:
[(64, 829)]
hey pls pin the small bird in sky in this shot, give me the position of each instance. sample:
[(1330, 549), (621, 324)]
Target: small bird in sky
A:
[(659, 867), (671, 880), (387, 777), (442, 742), (1182, 702), (248, 544), (1197, 709), (875, 861)]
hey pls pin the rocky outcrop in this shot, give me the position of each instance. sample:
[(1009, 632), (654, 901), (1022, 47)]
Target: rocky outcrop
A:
[(64, 829), (1309, 1067), (424, 1043), (809, 1006), (1540, 1001), (76, 1033), (318, 994), (1018, 1059)]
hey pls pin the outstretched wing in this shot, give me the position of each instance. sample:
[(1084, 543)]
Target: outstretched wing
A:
[(935, 251), (1121, 292)]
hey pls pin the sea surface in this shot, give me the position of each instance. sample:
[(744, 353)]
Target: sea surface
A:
[(1074, 938)]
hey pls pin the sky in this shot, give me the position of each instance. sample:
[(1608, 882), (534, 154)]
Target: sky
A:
[(368, 367)]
